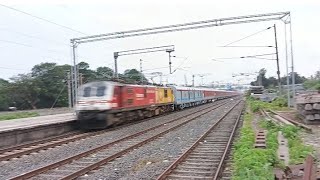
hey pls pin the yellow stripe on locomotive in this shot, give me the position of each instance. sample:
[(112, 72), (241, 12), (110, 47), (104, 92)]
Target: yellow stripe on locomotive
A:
[(164, 95)]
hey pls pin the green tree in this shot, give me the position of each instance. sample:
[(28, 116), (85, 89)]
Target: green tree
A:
[(133, 76), (298, 79), (313, 82), (272, 82), (88, 75), (24, 91), (261, 79), (4, 96), (104, 73), (51, 80)]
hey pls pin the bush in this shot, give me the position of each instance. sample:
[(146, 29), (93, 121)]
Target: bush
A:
[(249, 162), (278, 104)]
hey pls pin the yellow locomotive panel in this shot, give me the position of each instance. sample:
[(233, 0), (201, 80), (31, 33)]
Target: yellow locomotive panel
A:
[(164, 95)]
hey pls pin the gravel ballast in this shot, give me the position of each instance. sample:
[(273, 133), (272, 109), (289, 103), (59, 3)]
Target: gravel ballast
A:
[(152, 159), (30, 162)]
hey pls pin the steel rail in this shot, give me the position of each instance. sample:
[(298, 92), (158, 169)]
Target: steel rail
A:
[(110, 158), (66, 139), (189, 150), (24, 145), (91, 151), (266, 115), (309, 172), (293, 122), (227, 147)]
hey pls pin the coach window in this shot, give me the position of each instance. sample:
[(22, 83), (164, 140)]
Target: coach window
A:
[(165, 93)]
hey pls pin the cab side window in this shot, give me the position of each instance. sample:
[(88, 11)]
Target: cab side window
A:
[(130, 91)]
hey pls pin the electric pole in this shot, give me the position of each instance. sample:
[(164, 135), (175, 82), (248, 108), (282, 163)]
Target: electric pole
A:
[(170, 51), (141, 78), (277, 57), (192, 80), (185, 80), (115, 55), (69, 89)]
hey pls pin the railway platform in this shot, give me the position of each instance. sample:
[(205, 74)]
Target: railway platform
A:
[(17, 131)]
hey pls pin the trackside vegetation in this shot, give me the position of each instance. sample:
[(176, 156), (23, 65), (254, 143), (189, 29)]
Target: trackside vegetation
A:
[(18, 115), (249, 162), (297, 150), (277, 105), (255, 163)]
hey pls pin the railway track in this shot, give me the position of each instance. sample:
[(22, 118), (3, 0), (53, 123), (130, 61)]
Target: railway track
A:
[(36, 146), (205, 158), (80, 164)]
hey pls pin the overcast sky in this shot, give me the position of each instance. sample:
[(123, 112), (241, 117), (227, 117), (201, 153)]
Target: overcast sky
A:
[(26, 41)]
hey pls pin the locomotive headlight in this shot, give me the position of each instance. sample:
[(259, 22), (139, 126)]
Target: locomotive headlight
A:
[(103, 101), (81, 102)]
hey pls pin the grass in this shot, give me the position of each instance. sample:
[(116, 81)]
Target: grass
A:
[(253, 163), (249, 162), (18, 115), (278, 104), (297, 150)]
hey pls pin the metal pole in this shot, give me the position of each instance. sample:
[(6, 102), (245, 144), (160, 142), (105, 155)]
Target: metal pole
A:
[(277, 55), (292, 72), (141, 78), (72, 86), (115, 55), (287, 68), (80, 79), (170, 62), (69, 89), (75, 74), (192, 80), (201, 80)]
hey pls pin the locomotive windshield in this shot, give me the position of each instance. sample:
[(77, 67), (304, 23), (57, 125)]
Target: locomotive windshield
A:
[(100, 91), (93, 89), (86, 92)]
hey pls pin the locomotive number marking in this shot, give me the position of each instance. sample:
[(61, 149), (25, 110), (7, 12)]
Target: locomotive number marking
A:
[(139, 95)]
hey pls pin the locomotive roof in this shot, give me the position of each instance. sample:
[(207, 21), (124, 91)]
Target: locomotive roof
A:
[(152, 86), (197, 89), (122, 84)]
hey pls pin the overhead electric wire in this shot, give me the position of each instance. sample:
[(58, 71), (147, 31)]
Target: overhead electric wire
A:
[(246, 37), (179, 66), (33, 37), (42, 19), (259, 55), (12, 68), (241, 57), (142, 49), (16, 43), (38, 48), (247, 46)]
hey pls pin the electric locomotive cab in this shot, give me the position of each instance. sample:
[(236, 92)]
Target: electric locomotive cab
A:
[(93, 103)]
